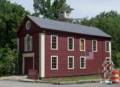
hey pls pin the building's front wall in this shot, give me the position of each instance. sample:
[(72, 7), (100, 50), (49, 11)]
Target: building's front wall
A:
[(93, 66), (34, 32)]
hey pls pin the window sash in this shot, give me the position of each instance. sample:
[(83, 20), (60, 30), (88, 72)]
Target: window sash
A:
[(94, 45), (82, 62), (107, 46), (70, 43), (82, 44), (54, 42), (70, 62), (54, 62), (28, 43), (28, 25)]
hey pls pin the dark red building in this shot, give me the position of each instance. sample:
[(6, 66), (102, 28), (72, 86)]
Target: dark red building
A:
[(57, 49)]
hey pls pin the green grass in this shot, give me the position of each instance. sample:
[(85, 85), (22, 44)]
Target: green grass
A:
[(118, 68), (69, 79)]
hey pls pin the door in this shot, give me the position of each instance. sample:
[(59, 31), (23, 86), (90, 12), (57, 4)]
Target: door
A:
[(28, 64)]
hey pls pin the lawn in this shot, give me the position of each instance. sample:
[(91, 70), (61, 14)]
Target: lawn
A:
[(72, 79)]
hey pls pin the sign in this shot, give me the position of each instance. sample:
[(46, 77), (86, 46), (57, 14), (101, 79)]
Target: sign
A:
[(107, 69), (89, 55), (33, 74)]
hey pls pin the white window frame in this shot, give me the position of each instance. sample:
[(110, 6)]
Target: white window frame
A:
[(56, 42), (72, 44), (73, 62), (28, 25), (31, 41), (56, 63), (84, 44), (25, 43), (96, 46), (84, 62), (106, 45)]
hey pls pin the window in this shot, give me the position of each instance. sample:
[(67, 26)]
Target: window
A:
[(54, 62), (107, 46), (28, 25), (94, 45), (54, 42), (70, 62), (70, 43), (28, 43), (82, 44), (82, 62)]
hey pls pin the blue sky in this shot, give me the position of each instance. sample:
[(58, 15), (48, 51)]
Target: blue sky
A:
[(82, 8)]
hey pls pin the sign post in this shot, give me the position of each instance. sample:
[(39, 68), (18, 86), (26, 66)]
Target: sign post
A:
[(107, 68)]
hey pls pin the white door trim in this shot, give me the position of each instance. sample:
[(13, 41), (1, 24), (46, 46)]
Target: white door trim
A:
[(23, 60)]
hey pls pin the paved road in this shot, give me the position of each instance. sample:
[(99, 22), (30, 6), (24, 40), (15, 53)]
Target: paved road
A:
[(4, 83)]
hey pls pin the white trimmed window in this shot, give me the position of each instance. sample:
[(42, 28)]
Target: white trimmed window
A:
[(82, 62), (107, 46), (94, 45), (54, 42), (28, 43), (70, 62), (70, 43), (82, 44), (28, 25), (54, 62)]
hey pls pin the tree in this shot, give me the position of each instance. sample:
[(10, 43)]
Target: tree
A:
[(11, 15), (7, 61), (10, 18), (51, 8), (110, 23)]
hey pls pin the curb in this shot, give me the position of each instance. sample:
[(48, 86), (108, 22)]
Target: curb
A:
[(30, 80), (61, 83), (77, 82), (55, 83)]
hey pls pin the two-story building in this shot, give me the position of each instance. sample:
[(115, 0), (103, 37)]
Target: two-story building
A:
[(57, 49)]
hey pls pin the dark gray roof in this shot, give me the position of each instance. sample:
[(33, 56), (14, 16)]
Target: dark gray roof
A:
[(67, 27)]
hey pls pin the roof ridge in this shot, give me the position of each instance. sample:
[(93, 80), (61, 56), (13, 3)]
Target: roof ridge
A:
[(63, 21)]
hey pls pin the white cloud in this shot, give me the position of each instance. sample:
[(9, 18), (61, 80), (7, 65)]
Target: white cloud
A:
[(90, 8), (27, 4), (82, 8)]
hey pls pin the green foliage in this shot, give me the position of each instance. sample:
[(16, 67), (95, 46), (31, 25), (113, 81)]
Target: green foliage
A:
[(110, 23), (51, 8), (116, 59), (7, 61), (10, 18)]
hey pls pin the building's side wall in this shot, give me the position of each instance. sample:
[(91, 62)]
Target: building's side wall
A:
[(93, 65)]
